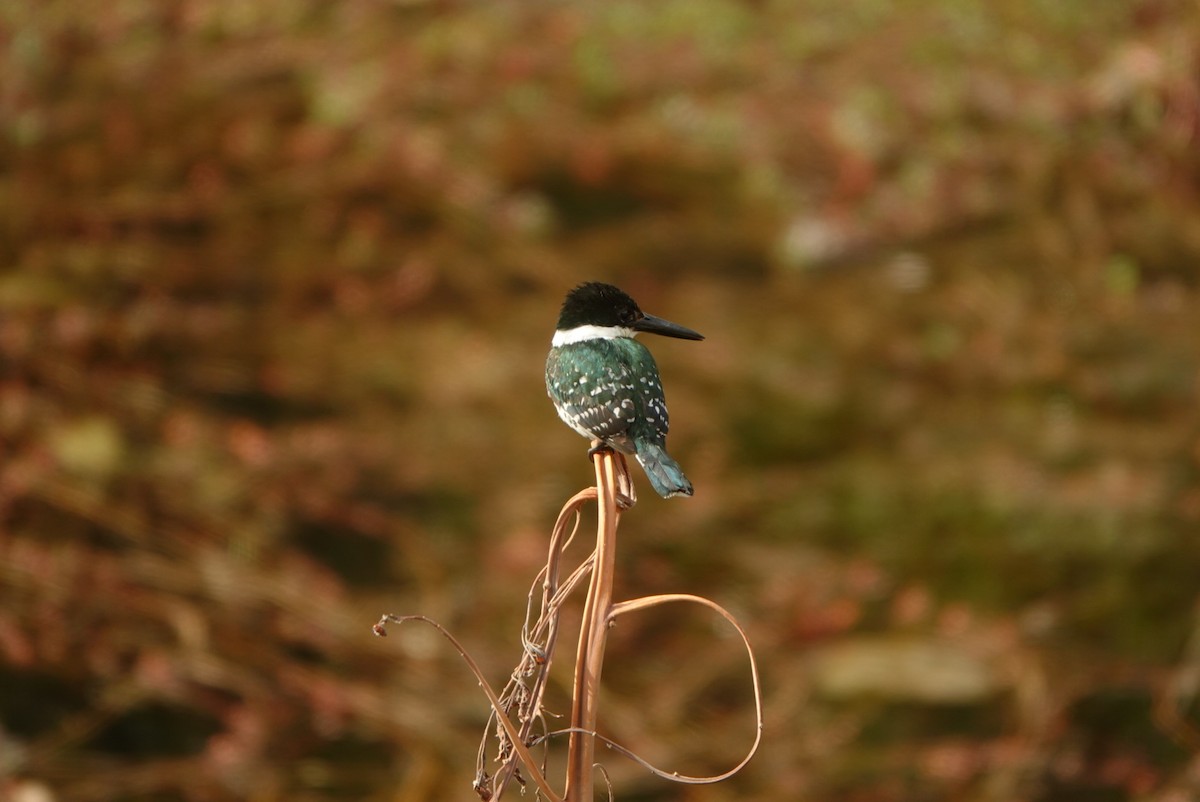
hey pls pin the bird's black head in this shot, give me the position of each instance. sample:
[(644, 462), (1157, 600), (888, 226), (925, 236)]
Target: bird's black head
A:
[(603, 305), (596, 304)]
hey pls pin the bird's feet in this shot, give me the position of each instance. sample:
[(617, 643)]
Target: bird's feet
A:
[(625, 496), (597, 447)]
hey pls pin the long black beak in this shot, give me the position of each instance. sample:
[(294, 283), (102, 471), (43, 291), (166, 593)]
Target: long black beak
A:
[(656, 325)]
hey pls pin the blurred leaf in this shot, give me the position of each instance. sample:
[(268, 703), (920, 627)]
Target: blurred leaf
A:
[(904, 669), (1121, 275), (91, 446)]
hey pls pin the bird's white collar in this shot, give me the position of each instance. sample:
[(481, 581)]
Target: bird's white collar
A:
[(589, 332)]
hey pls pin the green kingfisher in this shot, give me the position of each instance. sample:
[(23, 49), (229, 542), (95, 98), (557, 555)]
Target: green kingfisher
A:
[(605, 384)]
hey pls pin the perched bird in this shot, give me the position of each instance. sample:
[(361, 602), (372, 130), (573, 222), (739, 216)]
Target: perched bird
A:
[(605, 384)]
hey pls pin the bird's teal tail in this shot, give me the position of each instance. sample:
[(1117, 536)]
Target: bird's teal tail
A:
[(664, 473)]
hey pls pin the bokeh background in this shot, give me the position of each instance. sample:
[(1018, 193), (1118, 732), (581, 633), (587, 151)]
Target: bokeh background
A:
[(278, 280)]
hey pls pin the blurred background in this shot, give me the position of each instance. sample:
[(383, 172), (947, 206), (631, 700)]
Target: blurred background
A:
[(277, 286)]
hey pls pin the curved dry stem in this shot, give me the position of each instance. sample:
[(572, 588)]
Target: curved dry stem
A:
[(646, 602), (510, 729)]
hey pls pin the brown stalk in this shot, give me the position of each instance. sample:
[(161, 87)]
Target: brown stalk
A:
[(593, 632)]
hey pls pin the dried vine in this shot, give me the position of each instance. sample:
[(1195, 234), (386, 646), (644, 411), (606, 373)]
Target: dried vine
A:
[(517, 721)]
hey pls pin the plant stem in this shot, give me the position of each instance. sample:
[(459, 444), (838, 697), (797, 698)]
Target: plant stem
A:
[(593, 633)]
